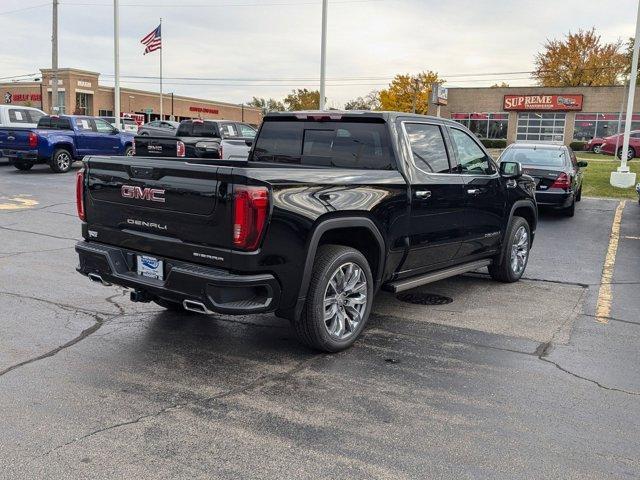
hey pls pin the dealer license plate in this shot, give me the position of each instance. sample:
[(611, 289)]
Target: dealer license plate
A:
[(150, 267)]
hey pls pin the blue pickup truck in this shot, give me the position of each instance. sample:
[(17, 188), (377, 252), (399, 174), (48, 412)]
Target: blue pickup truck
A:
[(60, 140)]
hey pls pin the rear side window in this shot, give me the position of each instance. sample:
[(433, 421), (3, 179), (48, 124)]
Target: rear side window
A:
[(198, 129), (19, 116), (54, 123), (330, 144), (428, 148)]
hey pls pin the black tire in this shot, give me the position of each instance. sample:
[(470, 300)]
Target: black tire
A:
[(597, 149), (61, 161), (128, 151), (169, 305), (631, 153), (579, 195), (311, 328), (501, 269), (24, 166), (570, 211), (144, 134)]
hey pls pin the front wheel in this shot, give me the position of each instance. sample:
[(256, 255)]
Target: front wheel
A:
[(510, 266), (61, 161), (128, 151), (338, 301), (597, 149)]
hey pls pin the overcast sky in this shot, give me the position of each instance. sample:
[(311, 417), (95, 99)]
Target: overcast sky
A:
[(273, 46)]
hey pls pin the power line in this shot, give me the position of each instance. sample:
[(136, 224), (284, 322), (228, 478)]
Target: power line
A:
[(219, 5), (7, 12)]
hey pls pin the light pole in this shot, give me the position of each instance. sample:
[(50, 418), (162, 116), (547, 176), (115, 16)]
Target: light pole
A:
[(623, 178), (323, 55), (116, 58), (54, 60)]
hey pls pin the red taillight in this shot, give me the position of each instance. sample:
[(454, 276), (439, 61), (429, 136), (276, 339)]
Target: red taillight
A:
[(33, 140), (80, 194), (180, 150), (562, 181), (250, 212)]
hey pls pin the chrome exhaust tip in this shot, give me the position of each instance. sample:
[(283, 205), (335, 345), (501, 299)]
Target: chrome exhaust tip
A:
[(193, 306), (94, 277)]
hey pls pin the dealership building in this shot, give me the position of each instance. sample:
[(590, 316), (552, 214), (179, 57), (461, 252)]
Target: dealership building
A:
[(539, 113), (79, 92)]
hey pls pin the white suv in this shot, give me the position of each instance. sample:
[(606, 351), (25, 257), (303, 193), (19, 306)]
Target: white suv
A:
[(19, 116)]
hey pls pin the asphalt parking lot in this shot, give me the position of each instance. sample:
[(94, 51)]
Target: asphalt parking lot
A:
[(537, 379)]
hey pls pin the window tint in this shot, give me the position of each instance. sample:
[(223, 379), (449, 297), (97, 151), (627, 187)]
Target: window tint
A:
[(19, 116), (155, 123), (54, 123), (552, 157), (336, 144), (428, 148), (35, 115), (103, 126), (246, 131), (471, 157), (198, 129), (63, 124)]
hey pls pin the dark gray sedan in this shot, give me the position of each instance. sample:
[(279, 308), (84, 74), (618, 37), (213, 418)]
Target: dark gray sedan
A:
[(159, 128)]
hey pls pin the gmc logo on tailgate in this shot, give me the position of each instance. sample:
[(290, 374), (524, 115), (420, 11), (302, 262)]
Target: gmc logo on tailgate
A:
[(139, 193)]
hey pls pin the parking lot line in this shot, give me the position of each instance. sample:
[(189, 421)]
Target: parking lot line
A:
[(17, 203), (603, 307)]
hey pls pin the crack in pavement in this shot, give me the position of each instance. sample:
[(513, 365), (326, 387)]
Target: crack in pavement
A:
[(38, 233), (99, 318), (44, 207), (15, 254), (262, 380)]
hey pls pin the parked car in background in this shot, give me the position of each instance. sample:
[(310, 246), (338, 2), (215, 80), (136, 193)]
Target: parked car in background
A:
[(159, 128), (594, 145), (60, 140), (126, 124), (555, 169), (19, 117), (215, 139), (329, 208), (615, 141)]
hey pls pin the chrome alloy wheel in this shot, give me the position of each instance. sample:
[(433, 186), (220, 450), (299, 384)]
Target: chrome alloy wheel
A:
[(519, 250), (63, 161), (345, 301)]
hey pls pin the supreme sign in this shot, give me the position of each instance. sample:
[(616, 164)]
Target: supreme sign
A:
[(543, 102)]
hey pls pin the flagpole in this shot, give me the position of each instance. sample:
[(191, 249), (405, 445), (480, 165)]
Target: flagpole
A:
[(161, 113), (116, 56)]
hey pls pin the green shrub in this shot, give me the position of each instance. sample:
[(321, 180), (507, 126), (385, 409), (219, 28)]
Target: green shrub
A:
[(494, 143), (577, 146)]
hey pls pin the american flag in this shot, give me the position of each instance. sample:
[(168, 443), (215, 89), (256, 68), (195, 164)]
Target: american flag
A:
[(153, 41)]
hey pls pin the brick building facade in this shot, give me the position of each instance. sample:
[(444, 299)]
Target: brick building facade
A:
[(540, 113), (80, 93)]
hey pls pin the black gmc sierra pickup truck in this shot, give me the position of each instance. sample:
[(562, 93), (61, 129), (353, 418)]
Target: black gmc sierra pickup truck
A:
[(329, 208)]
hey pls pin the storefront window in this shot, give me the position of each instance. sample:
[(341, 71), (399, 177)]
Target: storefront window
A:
[(540, 127), (83, 104), (484, 125), (590, 125)]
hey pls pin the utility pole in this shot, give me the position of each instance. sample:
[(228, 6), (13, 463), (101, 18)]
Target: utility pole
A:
[(323, 55), (116, 59), (623, 178), (54, 60)]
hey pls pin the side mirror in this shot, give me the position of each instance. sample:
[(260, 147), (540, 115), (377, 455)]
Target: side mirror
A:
[(115, 131), (583, 164), (249, 142), (510, 169)]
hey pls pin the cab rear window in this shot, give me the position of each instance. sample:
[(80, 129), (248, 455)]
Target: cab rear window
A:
[(329, 144), (54, 123)]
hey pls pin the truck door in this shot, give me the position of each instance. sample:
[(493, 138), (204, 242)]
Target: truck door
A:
[(107, 141), (484, 192), (437, 200), (85, 136)]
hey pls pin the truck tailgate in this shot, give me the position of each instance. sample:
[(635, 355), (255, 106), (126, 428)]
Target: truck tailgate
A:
[(168, 207), (147, 146), (14, 139)]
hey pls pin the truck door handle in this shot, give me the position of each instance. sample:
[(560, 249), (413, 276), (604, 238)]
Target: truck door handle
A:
[(423, 193), (473, 191)]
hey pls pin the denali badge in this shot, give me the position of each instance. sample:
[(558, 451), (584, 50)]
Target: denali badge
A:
[(139, 193), (141, 223)]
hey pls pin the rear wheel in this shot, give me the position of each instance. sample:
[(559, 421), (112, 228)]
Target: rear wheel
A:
[(596, 148), (338, 301), (129, 151), (631, 153), (515, 253), (23, 165), (61, 161), (570, 211), (579, 195)]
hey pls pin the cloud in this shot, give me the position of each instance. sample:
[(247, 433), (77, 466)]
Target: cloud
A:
[(279, 41)]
